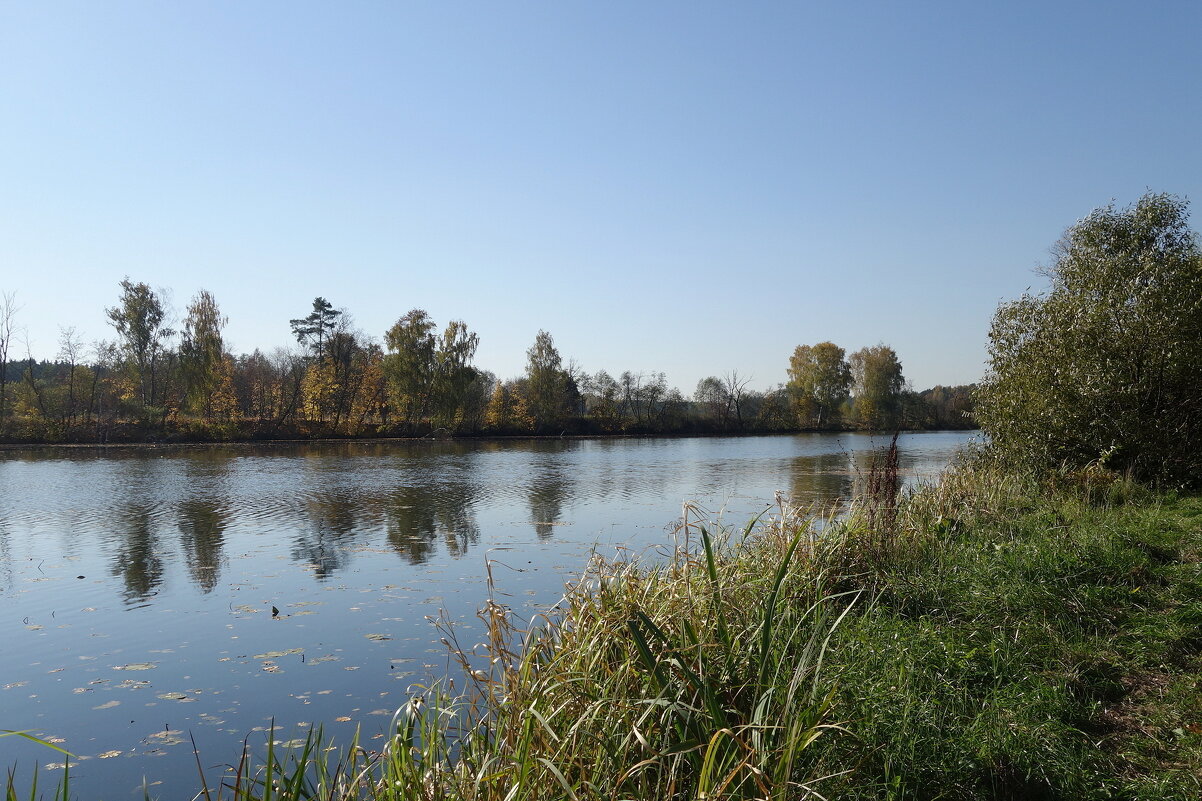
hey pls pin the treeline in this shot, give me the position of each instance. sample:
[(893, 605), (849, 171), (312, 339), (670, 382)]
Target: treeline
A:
[(158, 383)]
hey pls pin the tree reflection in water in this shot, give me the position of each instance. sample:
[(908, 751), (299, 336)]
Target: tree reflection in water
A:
[(415, 517), (332, 521), (202, 525), (137, 561)]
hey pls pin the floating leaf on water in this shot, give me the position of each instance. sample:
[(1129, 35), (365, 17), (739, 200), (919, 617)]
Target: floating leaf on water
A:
[(77, 690), (166, 737), (55, 765), (35, 627), (133, 684), (304, 612), (108, 705), (268, 667), (326, 658), (342, 719), (108, 755), (246, 608), (377, 637), (324, 692), (56, 740), (307, 603), (290, 743), (56, 670), (278, 654), (15, 684), (351, 667), (173, 697), (136, 666)]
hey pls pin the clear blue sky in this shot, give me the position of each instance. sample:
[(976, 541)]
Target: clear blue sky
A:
[(680, 186)]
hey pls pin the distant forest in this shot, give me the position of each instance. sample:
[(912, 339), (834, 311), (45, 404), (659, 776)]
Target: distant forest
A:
[(154, 383)]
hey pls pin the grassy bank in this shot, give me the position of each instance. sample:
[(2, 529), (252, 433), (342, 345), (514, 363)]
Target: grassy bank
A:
[(993, 637)]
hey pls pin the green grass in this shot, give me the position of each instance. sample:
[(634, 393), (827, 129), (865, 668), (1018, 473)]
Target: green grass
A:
[(991, 637)]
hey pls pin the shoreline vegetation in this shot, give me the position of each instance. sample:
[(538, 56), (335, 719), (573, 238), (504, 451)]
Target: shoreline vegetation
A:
[(1027, 627), (994, 635), (159, 382)]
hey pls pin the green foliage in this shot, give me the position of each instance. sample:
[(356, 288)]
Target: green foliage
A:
[(551, 392), (1022, 642), (202, 353), (314, 330), (430, 376), (1107, 364), (139, 320), (878, 383), (819, 383)]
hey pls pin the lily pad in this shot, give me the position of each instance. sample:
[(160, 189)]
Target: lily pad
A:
[(174, 697), (136, 666), (377, 637)]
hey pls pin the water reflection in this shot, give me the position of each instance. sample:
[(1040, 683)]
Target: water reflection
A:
[(137, 560), (549, 487), (416, 516), (324, 503), (325, 545), (821, 481), (204, 516), (6, 558), (202, 525)]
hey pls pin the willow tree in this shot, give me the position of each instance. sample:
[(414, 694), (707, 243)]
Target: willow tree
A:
[(202, 356), (427, 375), (409, 365), (1107, 363), (453, 372)]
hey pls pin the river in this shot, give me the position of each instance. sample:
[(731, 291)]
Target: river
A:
[(153, 595)]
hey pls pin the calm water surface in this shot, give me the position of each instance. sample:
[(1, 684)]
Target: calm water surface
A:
[(137, 586)]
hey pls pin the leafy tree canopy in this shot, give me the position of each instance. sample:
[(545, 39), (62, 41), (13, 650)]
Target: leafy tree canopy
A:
[(1108, 362)]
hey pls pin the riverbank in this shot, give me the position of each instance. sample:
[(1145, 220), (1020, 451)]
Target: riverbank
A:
[(991, 637)]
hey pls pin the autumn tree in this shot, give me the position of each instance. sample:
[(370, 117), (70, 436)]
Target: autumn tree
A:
[(202, 354), (507, 409), (1107, 363), (334, 380), (550, 390), (877, 385), (409, 365), (140, 321), (820, 382), (453, 373)]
